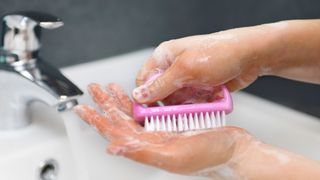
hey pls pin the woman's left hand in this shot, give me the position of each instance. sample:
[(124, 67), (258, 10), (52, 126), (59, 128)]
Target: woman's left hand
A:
[(184, 153), (219, 153)]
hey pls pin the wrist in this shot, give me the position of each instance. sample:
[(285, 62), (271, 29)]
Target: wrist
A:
[(271, 51), (242, 153), (289, 45), (252, 159), (261, 47), (262, 161)]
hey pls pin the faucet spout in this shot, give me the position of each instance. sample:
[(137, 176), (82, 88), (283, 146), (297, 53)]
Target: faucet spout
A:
[(25, 77), (24, 84)]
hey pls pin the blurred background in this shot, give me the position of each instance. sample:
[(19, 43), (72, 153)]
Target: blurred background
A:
[(95, 29)]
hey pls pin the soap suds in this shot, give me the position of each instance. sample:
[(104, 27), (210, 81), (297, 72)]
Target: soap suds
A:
[(222, 35), (282, 157), (203, 59), (241, 82), (265, 70), (182, 81), (196, 132), (220, 172), (163, 56)]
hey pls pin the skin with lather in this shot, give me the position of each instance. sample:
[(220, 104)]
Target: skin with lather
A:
[(192, 67)]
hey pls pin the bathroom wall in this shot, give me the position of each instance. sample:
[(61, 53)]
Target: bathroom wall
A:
[(96, 29)]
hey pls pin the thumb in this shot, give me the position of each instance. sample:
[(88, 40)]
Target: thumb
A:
[(160, 87)]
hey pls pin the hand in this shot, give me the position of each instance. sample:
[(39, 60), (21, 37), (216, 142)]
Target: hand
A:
[(184, 153), (200, 62), (220, 153), (192, 67), (235, 57)]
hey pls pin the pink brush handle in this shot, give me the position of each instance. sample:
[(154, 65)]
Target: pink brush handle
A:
[(224, 104)]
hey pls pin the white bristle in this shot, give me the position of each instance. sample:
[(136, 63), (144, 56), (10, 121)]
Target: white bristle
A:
[(151, 124), (180, 123), (223, 118), (191, 122), (169, 123), (146, 124), (201, 119), (174, 123), (157, 124), (213, 120), (163, 124), (196, 122), (218, 118), (184, 122), (207, 120)]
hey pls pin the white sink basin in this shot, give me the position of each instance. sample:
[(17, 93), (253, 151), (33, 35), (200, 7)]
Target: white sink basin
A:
[(28, 153), (23, 151)]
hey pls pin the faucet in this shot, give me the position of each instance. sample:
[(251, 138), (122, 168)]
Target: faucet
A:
[(24, 76)]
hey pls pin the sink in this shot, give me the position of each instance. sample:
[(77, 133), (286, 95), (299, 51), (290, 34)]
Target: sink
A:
[(76, 151), (38, 150)]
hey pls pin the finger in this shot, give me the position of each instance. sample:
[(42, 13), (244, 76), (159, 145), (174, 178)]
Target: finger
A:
[(178, 97), (148, 68), (191, 95), (174, 78), (104, 126), (162, 57), (101, 97), (160, 88), (92, 117), (111, 106), (167, 52), (123, 99), (122, 121), (184, 71)]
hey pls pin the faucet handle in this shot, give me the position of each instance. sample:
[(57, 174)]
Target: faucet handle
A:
[(21, 20), (44, 20), (22, 32)]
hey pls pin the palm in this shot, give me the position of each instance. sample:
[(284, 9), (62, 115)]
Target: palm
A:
[(183, 152)]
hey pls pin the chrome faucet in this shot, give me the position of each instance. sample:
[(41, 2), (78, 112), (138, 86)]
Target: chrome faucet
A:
[(24, 76)]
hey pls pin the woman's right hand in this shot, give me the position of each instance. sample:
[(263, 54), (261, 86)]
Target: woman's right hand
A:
[(193, 65)]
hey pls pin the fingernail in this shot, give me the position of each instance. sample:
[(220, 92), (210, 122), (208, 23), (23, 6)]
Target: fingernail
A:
[(141, 94), (78, 110)]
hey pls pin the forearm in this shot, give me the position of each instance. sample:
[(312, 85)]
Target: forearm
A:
[(263, 161), (294, 52)]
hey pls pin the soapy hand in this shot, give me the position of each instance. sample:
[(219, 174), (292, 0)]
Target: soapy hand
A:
[(200, 62), (219, 153), (235, 57), (192, 66), (185, 153)]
